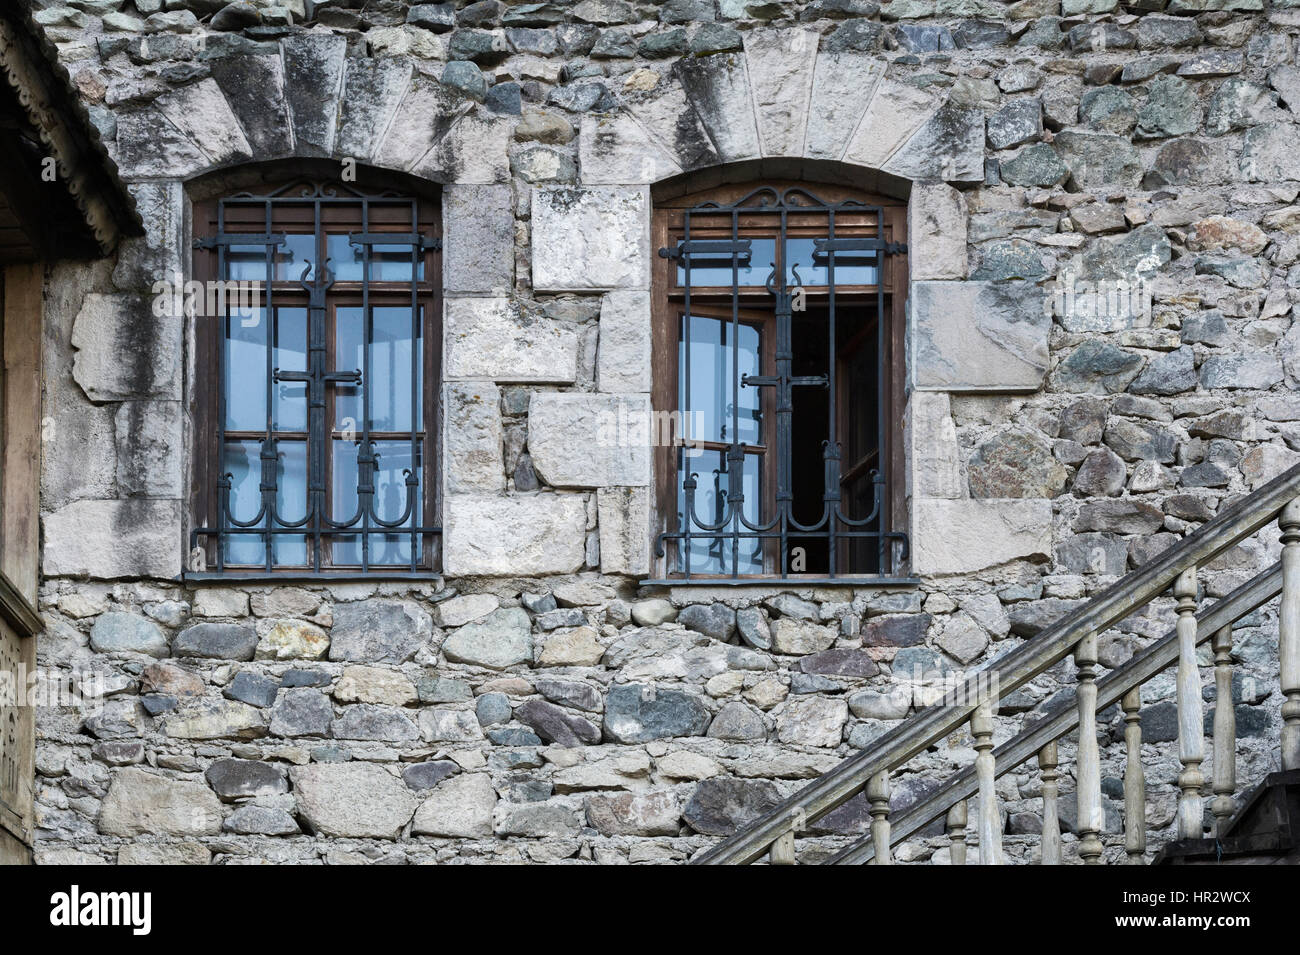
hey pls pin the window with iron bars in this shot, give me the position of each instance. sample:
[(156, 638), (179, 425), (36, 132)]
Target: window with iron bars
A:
[(777, 334), (315, 408)]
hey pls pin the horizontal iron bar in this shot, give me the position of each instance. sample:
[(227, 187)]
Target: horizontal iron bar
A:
[(235, 238), (846, 581), (708, 247), (822, 247), (1232, 524), (1064, 719), (394, 238), (295, 576)]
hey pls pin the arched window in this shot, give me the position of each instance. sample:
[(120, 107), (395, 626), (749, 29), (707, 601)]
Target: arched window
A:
[(778, 334), (316, 331)]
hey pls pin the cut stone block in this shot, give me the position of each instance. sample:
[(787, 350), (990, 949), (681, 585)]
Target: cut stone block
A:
[(493, 338), (978, 336), (587, 440), (623, 352), (958, 537), (472, 459), (525, 534), (597, 238)]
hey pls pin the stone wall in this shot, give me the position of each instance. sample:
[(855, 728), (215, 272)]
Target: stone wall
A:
[(1061, 428)]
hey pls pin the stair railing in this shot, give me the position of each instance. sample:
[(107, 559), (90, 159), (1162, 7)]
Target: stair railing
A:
[(975, 700)]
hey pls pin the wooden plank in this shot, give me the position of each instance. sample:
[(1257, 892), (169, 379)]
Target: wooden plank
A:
[(20, 517), (1064, 718), (1233, 524)]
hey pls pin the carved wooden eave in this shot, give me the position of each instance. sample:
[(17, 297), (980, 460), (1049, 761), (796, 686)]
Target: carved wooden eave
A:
[(55, 114)]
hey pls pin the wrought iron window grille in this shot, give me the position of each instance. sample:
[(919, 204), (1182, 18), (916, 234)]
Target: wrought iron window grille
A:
[(390, 273), (717, 257)]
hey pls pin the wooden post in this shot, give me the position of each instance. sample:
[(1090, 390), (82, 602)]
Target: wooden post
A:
[(990, 815), (957, 832), (782, 851), (1289, 635), (878, 797), (1225, 732), (1191, 716), (1047, 764), (1135, 780), (1088, 771)]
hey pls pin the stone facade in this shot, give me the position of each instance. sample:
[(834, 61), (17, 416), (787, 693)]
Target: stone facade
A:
[(536, 703)]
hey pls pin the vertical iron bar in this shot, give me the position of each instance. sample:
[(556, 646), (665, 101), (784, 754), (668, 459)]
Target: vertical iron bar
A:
[(223, 334), (269, 448), (735, 462), (884, 561), (412, 481), (365, 458), (688, 516), (831, 497)]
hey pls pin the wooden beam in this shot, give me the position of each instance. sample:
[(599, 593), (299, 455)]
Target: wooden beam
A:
[(21, 481)]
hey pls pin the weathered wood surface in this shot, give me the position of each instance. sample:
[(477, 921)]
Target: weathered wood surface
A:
[(1051, 842), (1135, 780), (990, 813), (1289, 635), (1063, 718), (1233, 523), (1225, 732), (1191, 715), (1087, 772)]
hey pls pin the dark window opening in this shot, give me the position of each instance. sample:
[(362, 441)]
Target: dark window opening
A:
[(783, 382), (316, 377)]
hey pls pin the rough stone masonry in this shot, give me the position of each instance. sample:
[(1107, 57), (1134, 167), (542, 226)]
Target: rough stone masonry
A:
[(535, 703)]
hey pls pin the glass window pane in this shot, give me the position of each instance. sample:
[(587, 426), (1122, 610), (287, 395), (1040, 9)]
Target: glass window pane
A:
[(713, 385), (345, 259), (392, 263), (291, 501), (714, 555), (388, 263), (291, 355), (389, 502), (246, 263), (851, 268), (717, 270), (294, 258), (240, 461), (390, 370), (244, 371)]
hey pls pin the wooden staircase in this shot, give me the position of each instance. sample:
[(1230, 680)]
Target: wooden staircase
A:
[(1265, 827)]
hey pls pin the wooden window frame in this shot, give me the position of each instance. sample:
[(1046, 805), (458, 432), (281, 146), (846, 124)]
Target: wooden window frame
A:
[(667, 228), (387, 212)]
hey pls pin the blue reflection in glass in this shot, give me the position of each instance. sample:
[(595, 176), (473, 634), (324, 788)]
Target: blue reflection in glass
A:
[(388, 262), (716, 270), (389, 501), (243, 462), (851, 268), (390, 369), (247, 263), (712, 482), (708, 413)]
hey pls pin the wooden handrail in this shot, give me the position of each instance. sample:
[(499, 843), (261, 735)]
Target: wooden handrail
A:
[(1063, 718), (1006, 674)]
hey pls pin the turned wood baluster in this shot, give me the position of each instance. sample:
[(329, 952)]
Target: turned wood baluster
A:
[(990, 815), (1225, 732), (1088, 771), (1289, 635), (1191, 716), (1047, 764), (1135, 780), (878, 797), (957, 832)]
